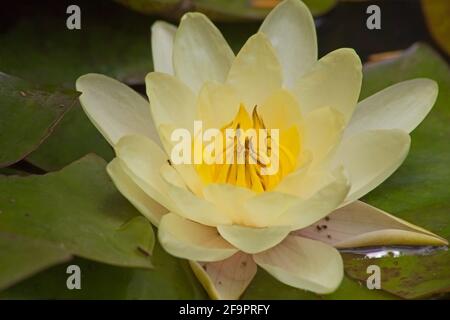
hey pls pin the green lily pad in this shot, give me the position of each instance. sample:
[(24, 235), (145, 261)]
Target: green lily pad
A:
[(171, 278), (22, 257), (29, 113), (419, 191), (410, 277), (219, 10), (73, 137), (112, 41), (78, 209)]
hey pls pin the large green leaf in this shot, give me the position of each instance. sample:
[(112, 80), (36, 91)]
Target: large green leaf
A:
[(29, 113), (37, 45), (419, 191), (77, 209), (21, 257), (220, 10), (170, 278), (73, 137)]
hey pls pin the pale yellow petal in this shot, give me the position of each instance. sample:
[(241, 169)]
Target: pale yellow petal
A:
[(307, 211), (130, 190), (171, 102), (253, 240), (370, 157), (189, 240), (226, 279), (195, 208), (334, 81), (256, 72), (280, 110), (218, 105), (163, 35), (304, 264), (322, 132), (359, 225), (115, 109), (291, 30), (229, 199), (141, 159), (401, 106), (200, 52)]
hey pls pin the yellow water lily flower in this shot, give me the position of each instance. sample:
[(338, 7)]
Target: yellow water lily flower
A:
[(227, 220)]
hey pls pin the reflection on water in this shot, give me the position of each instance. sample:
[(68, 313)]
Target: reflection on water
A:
[(397, 251)]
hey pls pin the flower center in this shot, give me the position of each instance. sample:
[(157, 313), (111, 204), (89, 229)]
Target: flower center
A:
[(252, 155)]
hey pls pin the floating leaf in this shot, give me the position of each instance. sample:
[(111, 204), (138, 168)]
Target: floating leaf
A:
[(112, 41), (80, 210), (29, 113), (410, 277), (220, 10), (21, 257), (171, 278), (73, 137)]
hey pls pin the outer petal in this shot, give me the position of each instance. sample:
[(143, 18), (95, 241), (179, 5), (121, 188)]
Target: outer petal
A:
[(186, 239), (187, 171), (195, 208), (245, 207), (255, 72), (334, 81), (323, 131), (218, 104), (142, 159), (253, 240), (130, 190), (304, 264), (200, 52), (163, 35), (307, 211), (280, 110), (290, 28), (115, 109), (400, 106), (359, 224), (370, 158), (226, 279), (171, 102)]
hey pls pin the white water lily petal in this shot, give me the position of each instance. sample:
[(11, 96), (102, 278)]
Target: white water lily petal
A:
[(171, 101), (200, 52), (229, 199), (290, 28), (334, 81), (370, 157), (304, 263), (256, 72), (186, 239), (141, 159), (163, 35), (359, 225), (115, 109), (130, 190), (307, 211), (226, 279), (217, 104), (280, 110), (195, 208), (401, 106), (323, 130), (253, 240), (187, 171)]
